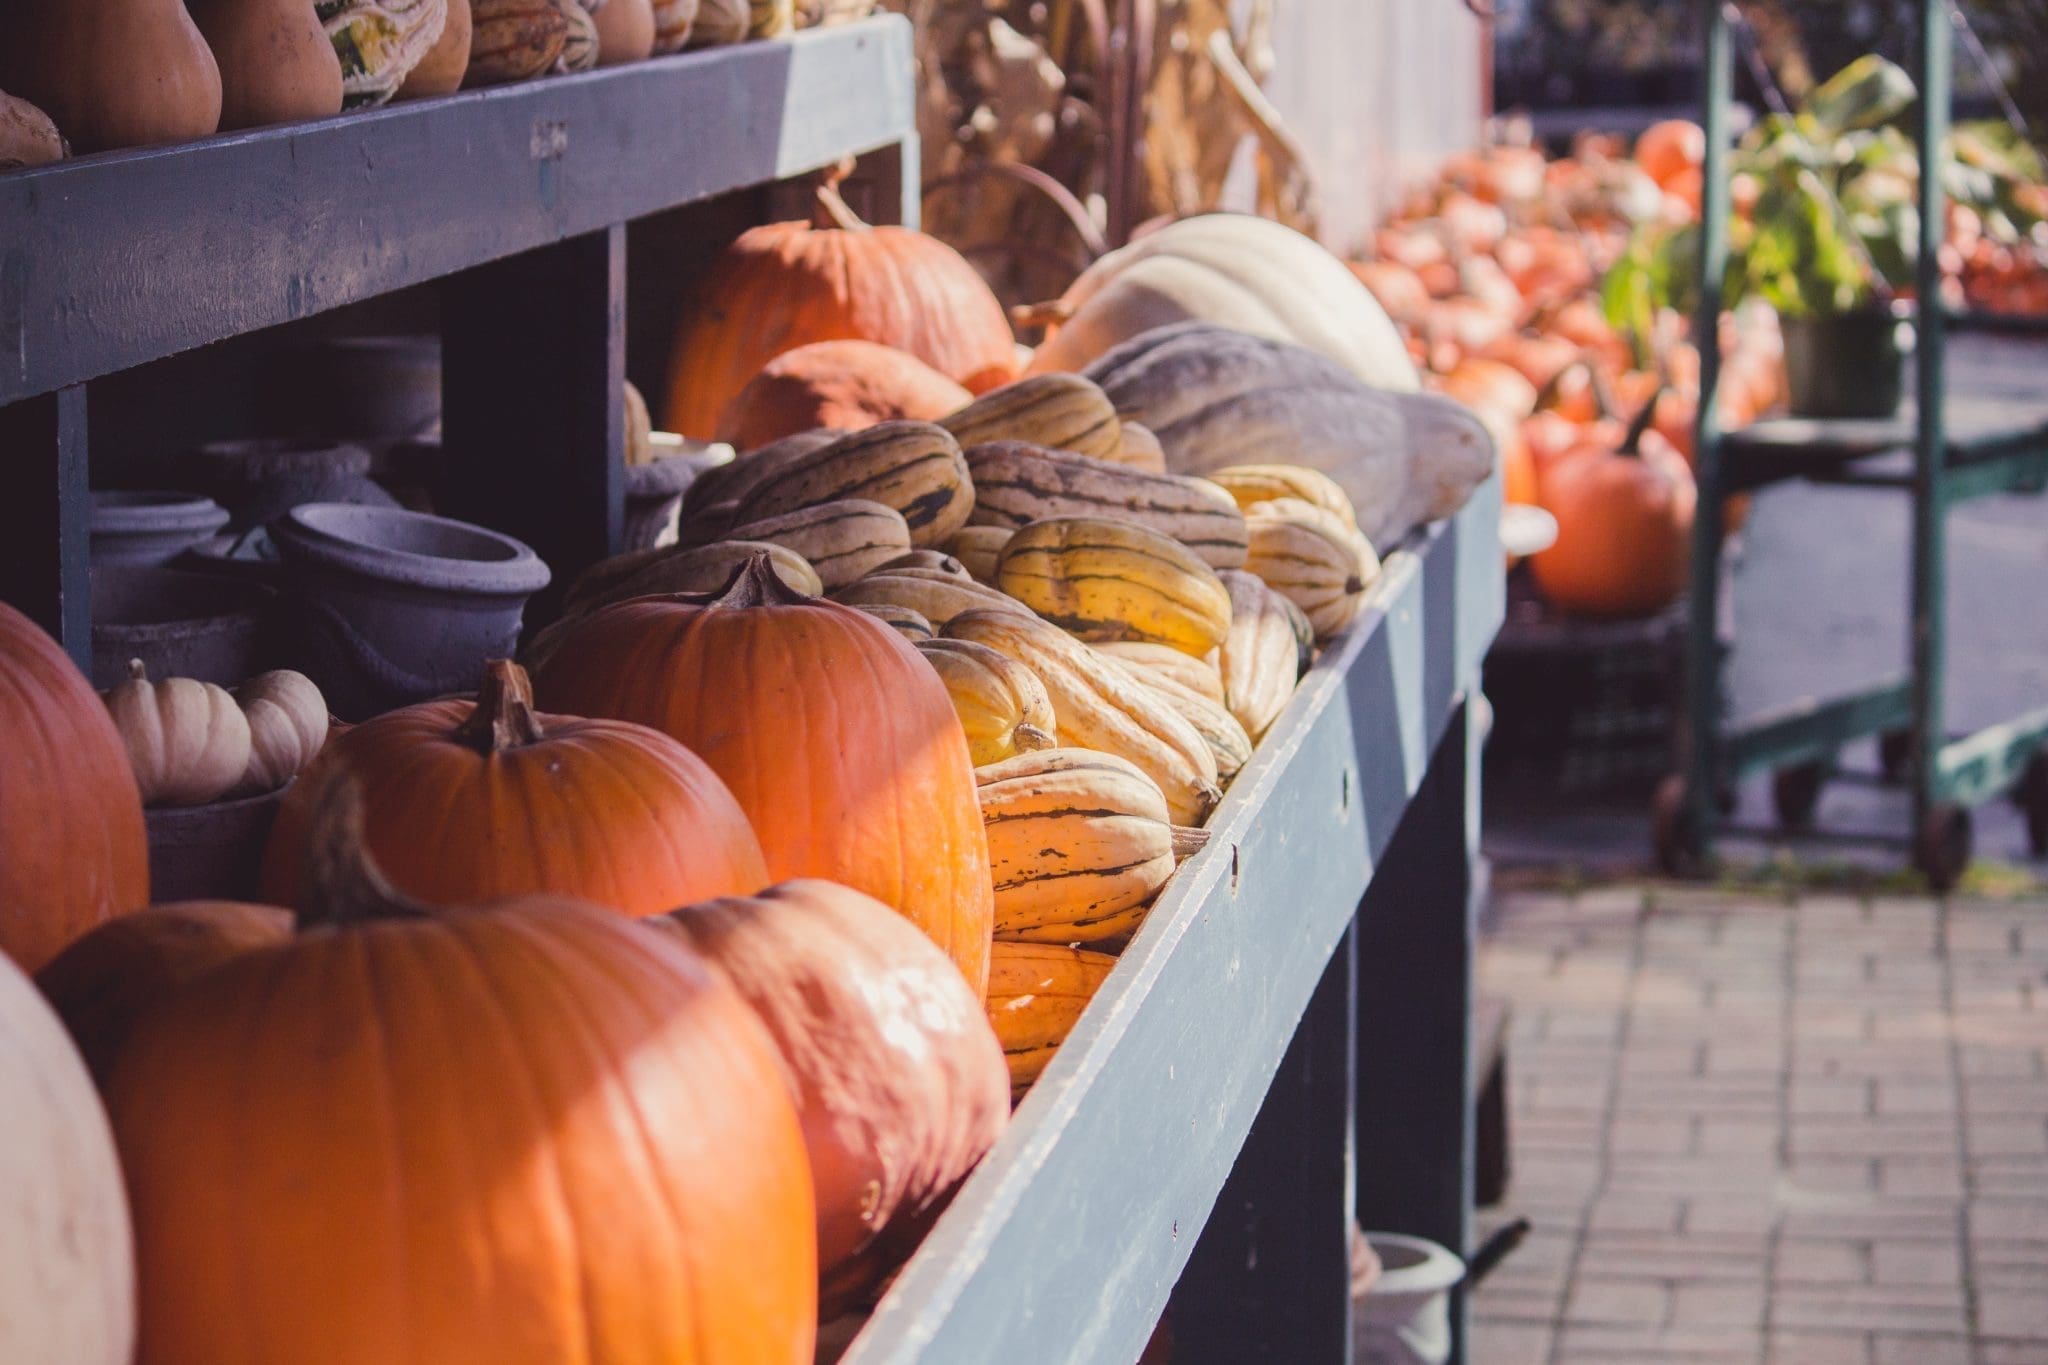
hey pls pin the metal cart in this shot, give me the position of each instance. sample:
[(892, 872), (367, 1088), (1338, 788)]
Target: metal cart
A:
[(1941, 450)]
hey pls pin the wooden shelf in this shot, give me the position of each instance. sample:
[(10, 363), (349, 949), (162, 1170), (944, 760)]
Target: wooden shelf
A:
[(114, 260), (1068, 1240)]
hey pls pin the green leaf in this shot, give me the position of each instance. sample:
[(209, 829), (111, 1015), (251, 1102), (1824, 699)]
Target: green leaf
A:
[(1865, 93)]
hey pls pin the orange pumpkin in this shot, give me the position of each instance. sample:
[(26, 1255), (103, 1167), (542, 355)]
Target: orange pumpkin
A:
[(1397, 288), (784, 285), (527, 1130), (846, 385), (1624, 528), (1539, 358), (73, 851), (900, 1082), (1519, 481), (105, 982), (837, 738), (1671, 148), (471, 801), (1491, 384)]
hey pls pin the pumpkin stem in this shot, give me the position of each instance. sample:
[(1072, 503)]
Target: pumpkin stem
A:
[(503, 717), (1029, 739), (344, 885), (1632, 443), (1188, 841), (754, 583), (1051, 313), (831, 209)]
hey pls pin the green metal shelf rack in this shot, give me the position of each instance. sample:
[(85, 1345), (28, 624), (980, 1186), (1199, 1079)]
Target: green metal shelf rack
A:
[(1942, 450)]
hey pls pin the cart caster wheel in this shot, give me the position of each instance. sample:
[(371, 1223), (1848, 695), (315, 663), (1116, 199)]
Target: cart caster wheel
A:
[(2032, 797), (1674, 830), (1895, 754), (1795, 791), (1942, 848)]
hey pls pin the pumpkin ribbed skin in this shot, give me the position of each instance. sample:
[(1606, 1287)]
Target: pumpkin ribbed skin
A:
[(835, 736), (1079, 843), (1624, 531), (783, 285), (608, 812), (524, 1131), (67, 1271), (1036, 993), (102, 985), (900, 1083), (848, 384), (73, 851)]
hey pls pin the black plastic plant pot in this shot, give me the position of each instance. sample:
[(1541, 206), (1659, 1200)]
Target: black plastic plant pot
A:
[(1844, 364)]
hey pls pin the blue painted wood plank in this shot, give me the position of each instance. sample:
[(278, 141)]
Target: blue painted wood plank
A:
[(110, 261)]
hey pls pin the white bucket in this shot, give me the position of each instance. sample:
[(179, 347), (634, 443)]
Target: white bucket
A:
[(1405, 1318)]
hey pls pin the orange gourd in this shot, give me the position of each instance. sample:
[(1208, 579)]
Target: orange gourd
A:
[(471, 801), (837, 738), (1491, 384), (900, 1082), (1624, 527), (112, 73), (846, 385), (72, 847), (107, 981), (786, 284), (521, 1130)]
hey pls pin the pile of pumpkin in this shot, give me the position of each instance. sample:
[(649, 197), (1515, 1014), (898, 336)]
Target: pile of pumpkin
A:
[(132, 73), (1493, 276)]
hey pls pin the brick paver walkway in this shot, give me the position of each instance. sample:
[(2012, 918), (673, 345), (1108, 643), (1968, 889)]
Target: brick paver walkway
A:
[(1751, 1131)]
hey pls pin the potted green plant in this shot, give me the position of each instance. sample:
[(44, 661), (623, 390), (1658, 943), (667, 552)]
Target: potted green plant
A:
[(1826, 231)]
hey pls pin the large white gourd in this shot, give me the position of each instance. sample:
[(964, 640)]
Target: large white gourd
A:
[(1249, 273), (67, 1262)]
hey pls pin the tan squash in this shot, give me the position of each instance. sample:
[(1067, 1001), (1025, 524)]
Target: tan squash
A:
[(441, 70), (1036, 994), (934, 594), (1098, 703), (911, 625), (673, 20), (1057, 411), (1002, 705), (514, 40), (625, 33), (27, 137), (287, 725), (117, 73), (1141, 449), (579, 48), (1226, 738), (187, 740), (843, 540), (978, 548), (1016, 482), (914, 467), (1197, 673), (1079, 843), (276, 64), (1310, 557), (1105, 579), (1264, 654)]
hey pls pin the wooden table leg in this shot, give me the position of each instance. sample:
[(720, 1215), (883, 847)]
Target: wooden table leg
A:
[(46, 518), (1415, 941), (1270, 1279)]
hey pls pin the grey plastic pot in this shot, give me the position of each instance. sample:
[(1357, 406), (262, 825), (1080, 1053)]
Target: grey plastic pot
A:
[(181, 625), (395, 606), (149, 527), (1845, 364), (262, 478), (1405, 1317)]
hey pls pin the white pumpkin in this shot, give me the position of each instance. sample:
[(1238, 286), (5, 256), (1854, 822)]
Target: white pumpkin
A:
[(287, 725), (187, 740), (1249, 273), (67, 1261)]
